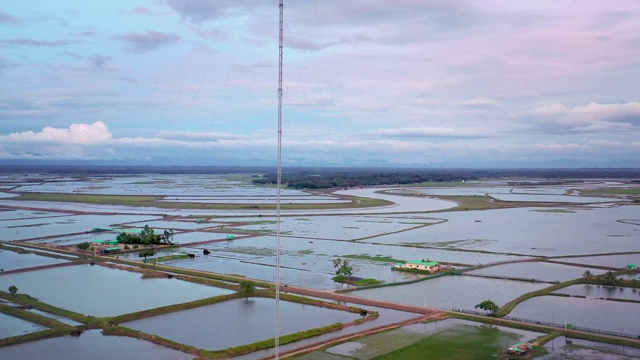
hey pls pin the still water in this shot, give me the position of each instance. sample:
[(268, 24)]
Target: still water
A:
[(216, 327), (91, 345), (451, 292), (592, 313), (100, 291)]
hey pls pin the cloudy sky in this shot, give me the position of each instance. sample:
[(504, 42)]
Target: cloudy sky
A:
[(384, 83)]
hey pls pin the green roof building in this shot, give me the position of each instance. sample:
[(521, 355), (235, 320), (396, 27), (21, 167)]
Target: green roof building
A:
[(431, 266)]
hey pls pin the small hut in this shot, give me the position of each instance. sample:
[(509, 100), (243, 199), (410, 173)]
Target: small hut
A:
[(520, 348)]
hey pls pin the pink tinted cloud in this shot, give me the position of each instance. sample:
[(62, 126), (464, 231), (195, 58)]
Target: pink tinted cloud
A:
[(140, 10)]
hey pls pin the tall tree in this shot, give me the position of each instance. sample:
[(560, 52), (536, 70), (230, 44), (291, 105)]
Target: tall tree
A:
[(609, 279), (489, 306), (247, 288), (345, 270), (336, 263), (168, 237)]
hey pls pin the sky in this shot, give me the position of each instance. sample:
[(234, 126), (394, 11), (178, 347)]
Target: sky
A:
[(398, 83)]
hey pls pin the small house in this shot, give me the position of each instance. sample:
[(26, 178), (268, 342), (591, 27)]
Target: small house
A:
[(520, 348), (422, 265)]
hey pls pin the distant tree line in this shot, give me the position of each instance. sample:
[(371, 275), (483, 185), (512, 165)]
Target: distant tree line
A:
[(307, 181), (320, 178)]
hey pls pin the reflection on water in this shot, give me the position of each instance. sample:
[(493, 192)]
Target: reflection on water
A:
[(91, 345), (209, 327), (598, 291), (451, 292), (99, 291), (10, 260), (588, 313), (562, 348), (538, 270), (13, 326)]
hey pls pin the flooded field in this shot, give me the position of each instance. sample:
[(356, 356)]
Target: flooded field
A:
[(603, 292), (91, 345), (576, 349), (472, 340), (90, 289), (200, 327), (584, 312), (532, 243), (22, 229), (12, 326), (539, 271), (10, 260), (451, 292)]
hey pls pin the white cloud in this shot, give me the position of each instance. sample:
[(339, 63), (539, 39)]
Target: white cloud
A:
[(594, 117), (429, 132), (75, 134), (480, 102)]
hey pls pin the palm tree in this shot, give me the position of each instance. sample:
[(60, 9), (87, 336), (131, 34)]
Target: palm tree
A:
[(609, 279), (587, 275)]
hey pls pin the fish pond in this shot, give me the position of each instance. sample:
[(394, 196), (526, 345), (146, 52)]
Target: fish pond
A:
[(91, 345), (210, 327), (100, 291), (590, 313)]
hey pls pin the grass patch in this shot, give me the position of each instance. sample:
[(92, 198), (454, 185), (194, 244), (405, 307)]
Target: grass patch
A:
[(249, 250), (555, 211), (31, 317), (366, 282), (380, 258), (355, 282), (171, 308), (460, 341), (24, 299), (305, 252), (616, 191), (39, 335), (487, 203), (171, 257)]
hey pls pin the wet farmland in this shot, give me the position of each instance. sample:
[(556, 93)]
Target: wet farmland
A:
[(501, 253)]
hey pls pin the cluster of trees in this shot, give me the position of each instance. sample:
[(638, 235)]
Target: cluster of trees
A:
[(607, 279), (343, 270), (147, 237)]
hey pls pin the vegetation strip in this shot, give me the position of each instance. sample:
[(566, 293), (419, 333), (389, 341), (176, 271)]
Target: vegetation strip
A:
[(156, 201), (31, 317), (24, 299)]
